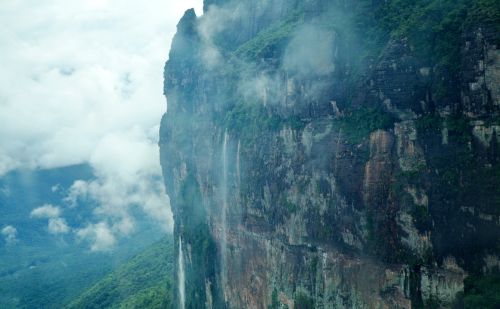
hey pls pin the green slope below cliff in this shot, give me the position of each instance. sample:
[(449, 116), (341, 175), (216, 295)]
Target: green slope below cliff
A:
[(142, 282)]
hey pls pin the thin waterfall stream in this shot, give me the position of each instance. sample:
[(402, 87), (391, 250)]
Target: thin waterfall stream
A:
[(224, 192), (182, 278)]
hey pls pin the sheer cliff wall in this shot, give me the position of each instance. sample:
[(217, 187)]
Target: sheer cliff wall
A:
[(325, 154)]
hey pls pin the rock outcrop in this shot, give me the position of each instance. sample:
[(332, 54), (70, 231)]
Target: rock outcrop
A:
[(311, 166)]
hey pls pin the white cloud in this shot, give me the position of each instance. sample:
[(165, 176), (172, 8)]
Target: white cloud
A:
[(5, 190), (10, 234), (46, 211), (311, 52), (58, 226), (74, 72), (125, 184), (99, 235), (125, 226), (81, 81), (78, 189)]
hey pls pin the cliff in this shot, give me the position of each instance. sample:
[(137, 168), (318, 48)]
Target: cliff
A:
[(334, 154)]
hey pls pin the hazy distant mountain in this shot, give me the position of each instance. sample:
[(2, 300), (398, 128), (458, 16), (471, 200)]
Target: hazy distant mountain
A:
[(44, 264)]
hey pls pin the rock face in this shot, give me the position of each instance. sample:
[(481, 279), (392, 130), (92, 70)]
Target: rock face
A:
[(309, 167)]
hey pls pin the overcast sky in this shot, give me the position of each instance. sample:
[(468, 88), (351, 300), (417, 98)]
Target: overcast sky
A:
[(81, 81)]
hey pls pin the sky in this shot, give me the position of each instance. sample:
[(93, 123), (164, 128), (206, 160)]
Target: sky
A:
[(81, 82)]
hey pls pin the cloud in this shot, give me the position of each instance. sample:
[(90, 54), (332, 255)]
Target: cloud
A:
[(46, 211), (99, 235), (58, 226), (263, 87), (123, 186), (213, 22), (127, 182), (5, 191), (74, 72), (10, 234), (78, 189), (311, 51), (81, 82)]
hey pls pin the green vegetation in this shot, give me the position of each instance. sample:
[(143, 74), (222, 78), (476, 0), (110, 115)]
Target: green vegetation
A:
[(42, 270), (358, 124), (303, 301), (432, 303), (313, 264), (421, 217), (196, 232), (434, 27), (275, 303), (143, 282), (429, 123), (459, 128), (52, 280), (155, 297), (480, 291), (251, 119), (291, 207), (270, 41), (485, 12)]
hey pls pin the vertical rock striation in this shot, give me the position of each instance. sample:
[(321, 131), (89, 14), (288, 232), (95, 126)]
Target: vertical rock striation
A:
[(313, 161)]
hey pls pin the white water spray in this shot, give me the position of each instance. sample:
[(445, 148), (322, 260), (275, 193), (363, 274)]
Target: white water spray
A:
[(238, 171), (181, 278), (224, 210)]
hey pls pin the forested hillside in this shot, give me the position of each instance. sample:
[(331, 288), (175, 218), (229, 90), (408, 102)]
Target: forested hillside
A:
[(143, 282)]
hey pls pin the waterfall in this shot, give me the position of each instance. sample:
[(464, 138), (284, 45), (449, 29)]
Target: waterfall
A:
[(224, 212), (238, 171), (181, 278)]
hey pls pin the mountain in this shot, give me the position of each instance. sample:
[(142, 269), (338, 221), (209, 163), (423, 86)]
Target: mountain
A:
[(335, 154), (41, 269), (142, 282)]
